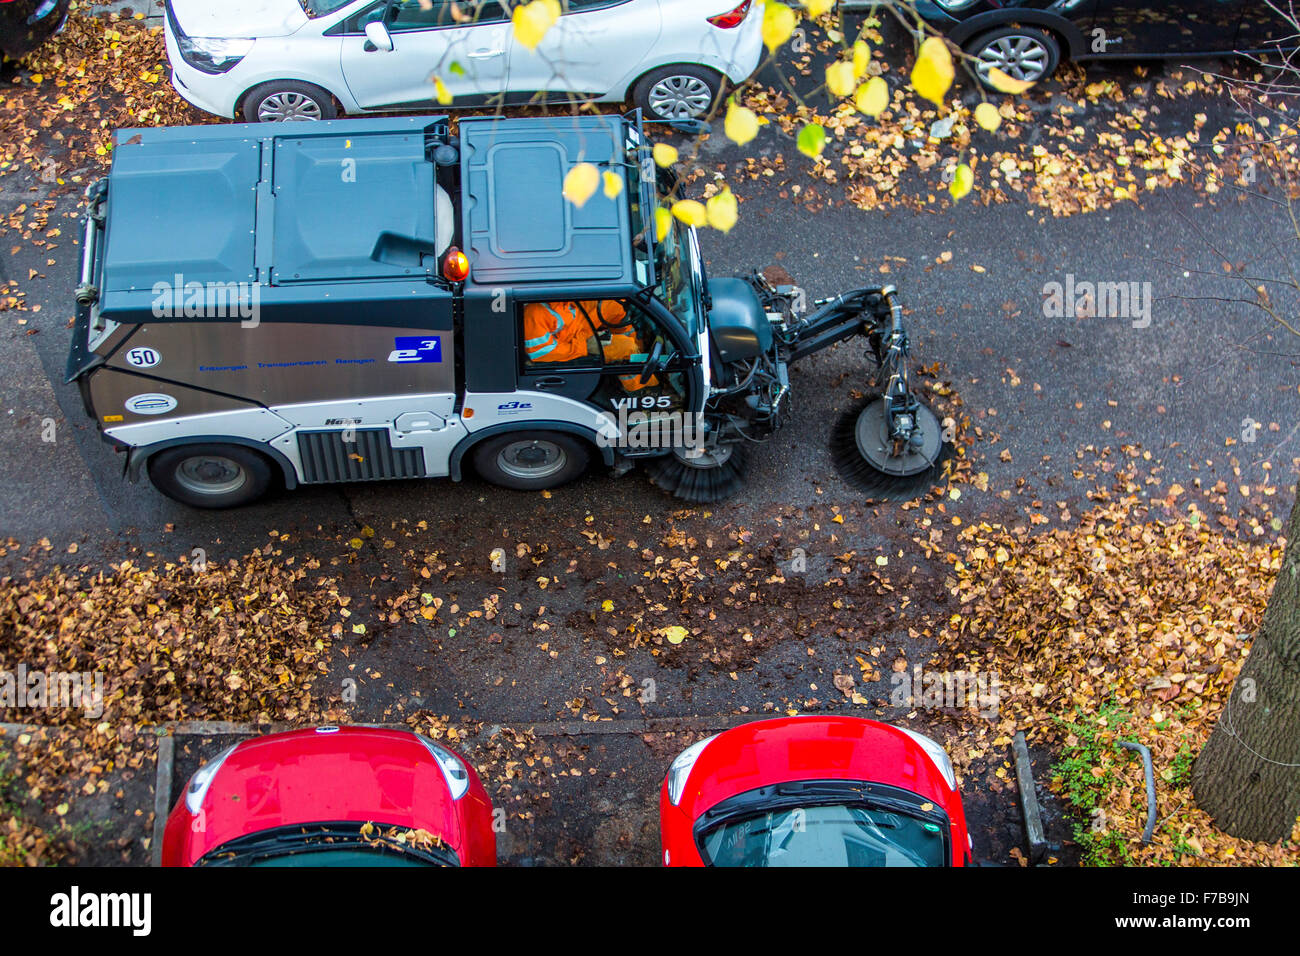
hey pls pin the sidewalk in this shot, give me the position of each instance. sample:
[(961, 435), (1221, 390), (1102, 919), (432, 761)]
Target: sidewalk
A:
[(152, 9)]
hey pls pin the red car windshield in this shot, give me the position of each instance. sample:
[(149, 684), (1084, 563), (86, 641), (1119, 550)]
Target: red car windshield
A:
[(825, 835), (825, 823)]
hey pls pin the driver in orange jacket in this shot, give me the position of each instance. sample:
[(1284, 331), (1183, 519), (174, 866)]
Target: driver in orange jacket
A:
[(562, 332)]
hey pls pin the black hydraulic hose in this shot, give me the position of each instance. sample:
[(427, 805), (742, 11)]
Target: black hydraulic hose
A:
[(1151, 785)]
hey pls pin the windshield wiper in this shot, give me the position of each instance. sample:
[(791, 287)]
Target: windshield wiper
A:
[(244, 850)]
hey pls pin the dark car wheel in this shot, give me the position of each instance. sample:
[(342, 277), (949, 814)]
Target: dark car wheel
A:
[(679, 92), (1022, 53), (210, 476), (531, 461), (288, 101)]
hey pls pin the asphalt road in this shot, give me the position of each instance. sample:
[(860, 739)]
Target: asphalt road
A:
[(1047, 388)]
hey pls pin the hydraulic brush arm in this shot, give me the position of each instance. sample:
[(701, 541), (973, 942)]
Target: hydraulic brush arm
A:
[(843, 317)]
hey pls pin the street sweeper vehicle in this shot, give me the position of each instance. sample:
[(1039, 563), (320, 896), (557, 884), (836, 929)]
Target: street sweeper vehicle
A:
[(373, 299)]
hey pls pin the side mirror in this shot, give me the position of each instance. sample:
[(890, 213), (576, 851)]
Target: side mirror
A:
[(378, 37)]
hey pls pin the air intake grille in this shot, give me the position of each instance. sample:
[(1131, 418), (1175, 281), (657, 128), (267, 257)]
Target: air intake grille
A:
[(368, 457)]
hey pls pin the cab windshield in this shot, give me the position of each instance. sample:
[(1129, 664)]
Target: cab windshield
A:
[(678, 271)]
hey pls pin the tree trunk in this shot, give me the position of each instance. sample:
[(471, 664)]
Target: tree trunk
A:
[(1247, 778)]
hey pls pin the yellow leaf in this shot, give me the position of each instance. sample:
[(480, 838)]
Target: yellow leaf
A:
[(532, 20), (986, 114), (839, 78), (861, 58), (691, 212), (663, 222), (1004, 83), (675, 634), (613, 184), (872, 96), (933, 72), (778, 25), (722, 210), (665, 155), (581, 183), (963, 178), (440, 91), (741, 124), (816, 8), (607, 606)]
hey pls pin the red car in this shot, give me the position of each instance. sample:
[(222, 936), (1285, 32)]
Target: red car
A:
[(813, 791), (333, 796)]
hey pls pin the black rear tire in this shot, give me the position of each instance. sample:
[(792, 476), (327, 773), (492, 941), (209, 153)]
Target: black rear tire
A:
[(211, 476), (1020, 52), (531, 461), (681, 92)]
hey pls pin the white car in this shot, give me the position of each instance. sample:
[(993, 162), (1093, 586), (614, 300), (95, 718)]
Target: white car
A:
[(281, 60)]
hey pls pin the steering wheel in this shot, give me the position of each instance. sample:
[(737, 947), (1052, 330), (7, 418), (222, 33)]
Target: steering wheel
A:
[(652, 364)]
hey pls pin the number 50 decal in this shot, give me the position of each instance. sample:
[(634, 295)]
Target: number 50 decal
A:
[(143, 357)]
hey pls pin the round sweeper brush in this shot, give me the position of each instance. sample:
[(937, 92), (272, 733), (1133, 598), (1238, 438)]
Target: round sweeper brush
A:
[(711, 476), (864, 456)]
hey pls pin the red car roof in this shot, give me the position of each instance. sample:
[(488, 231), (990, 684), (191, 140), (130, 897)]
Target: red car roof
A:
[(768, 752), (351, 774)]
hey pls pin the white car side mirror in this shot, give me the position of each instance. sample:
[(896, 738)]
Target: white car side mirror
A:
[(378, 35)]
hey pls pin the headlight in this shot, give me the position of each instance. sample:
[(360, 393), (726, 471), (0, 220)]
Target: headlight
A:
[(202, 779), (453, 769), (681, 769), (212, 54), (952, 6), (937, 754)]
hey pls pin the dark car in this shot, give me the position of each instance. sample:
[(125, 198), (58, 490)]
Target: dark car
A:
[(1026, 39), (26, 24)]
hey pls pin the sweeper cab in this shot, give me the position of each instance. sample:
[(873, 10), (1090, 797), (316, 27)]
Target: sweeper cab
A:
[(375, 299)]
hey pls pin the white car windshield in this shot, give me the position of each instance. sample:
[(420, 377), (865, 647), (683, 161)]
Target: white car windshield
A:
[(322, 8)]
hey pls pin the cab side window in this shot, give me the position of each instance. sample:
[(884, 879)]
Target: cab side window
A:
[(592, 333), (403, 15)]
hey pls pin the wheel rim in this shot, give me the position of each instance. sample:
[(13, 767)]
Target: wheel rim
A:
[(1020, 57), (532, 459), (872, 434), (680, 97), (288, 107), (211, 475)]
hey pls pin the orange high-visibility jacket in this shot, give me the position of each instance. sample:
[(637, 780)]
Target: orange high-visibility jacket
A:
[(560, 332)]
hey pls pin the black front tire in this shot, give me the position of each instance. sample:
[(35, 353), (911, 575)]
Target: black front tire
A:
[(284, 101), (531, 461), (682, 92), (211, 476)]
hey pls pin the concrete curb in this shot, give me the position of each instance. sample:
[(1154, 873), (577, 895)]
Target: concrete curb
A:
[(1029, 809)]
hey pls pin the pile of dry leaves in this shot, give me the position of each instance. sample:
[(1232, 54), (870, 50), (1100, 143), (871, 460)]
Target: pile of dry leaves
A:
[(97, 76), (239, 641), (1121, 626)]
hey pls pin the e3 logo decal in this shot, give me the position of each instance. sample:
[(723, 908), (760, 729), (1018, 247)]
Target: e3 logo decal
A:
[(414, 348)]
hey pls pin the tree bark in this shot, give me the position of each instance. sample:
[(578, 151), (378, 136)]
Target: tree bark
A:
[(1247, 777)]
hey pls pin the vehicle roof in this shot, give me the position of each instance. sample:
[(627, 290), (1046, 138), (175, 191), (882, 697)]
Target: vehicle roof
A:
[(811, 747), (359, 774), (518, 227), (303, 203)]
